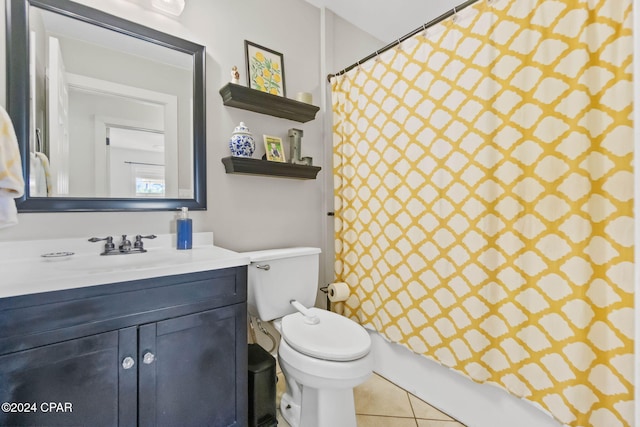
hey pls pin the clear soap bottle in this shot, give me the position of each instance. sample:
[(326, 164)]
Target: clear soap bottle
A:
[(184, 230)]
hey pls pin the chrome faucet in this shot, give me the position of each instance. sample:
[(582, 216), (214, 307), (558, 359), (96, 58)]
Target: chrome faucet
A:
[(125, 246)]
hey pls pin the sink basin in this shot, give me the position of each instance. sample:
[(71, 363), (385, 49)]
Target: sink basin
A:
[(92, 264), (25, 270)]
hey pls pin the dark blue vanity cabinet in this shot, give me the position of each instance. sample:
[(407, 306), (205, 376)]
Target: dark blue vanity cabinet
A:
[(169, 351)]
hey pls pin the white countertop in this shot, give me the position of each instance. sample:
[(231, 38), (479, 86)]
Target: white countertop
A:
[(23, 270)]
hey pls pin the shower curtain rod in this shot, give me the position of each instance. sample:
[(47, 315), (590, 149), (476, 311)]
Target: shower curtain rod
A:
[(391, 45)]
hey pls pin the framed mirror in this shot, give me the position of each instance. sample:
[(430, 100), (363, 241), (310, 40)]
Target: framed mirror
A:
[(109, 114)]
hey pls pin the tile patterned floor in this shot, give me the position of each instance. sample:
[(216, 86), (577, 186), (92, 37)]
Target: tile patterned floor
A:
[(380, 403)]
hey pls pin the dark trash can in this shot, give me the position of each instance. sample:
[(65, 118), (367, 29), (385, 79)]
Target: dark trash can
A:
[(262, 388)]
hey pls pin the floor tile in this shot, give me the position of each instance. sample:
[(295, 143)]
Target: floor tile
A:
[(378, 421), (281, 421), (281, 387), (380, 403), (377, 396), (438, 423), (421, 409)]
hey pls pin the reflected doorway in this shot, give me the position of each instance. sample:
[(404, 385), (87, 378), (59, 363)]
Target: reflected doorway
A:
[(135, 162)]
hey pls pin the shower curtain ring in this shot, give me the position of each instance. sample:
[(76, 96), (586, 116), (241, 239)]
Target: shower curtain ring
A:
[(455, 14)]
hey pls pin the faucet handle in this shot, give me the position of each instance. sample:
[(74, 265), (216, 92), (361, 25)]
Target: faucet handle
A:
[(150, 236), (138, 243), (108, 245)]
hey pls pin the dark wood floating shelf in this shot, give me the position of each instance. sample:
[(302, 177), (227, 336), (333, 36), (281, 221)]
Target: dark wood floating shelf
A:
[(247, 165), (234, 95)]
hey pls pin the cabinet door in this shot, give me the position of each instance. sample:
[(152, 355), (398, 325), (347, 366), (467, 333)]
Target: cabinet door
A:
[(197, 374), (68, 383)]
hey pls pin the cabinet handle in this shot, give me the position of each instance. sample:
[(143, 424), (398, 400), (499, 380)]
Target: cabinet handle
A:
[(265, 267), (128, 362), (148, 358)]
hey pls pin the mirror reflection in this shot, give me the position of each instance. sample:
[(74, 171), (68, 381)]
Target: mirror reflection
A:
[(111, 113)]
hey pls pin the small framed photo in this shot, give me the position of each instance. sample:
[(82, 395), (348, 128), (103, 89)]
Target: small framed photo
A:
[(265, 69), (274, 148)]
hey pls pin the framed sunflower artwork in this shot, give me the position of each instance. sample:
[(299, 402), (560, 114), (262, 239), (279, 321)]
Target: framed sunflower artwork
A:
[(265, 69)]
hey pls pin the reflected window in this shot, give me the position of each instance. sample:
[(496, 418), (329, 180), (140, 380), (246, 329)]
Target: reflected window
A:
[(148, 180)]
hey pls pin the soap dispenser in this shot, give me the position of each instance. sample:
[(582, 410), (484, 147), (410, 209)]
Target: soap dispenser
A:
[(184, 230)]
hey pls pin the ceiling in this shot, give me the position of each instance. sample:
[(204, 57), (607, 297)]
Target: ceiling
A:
[(387, 20)]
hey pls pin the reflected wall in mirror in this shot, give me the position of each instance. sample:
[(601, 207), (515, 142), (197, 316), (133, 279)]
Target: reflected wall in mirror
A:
[(109, 114)]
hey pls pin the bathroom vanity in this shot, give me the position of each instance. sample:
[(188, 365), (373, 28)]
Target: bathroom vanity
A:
[(121, 341)]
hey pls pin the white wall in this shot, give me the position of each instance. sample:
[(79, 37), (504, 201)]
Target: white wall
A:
[(387, 20), (244, 212)]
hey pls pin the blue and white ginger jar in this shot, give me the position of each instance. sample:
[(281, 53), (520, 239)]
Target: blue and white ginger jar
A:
[(241, 142)]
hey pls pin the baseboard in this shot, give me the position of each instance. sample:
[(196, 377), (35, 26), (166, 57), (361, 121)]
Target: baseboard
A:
[(473, 404)]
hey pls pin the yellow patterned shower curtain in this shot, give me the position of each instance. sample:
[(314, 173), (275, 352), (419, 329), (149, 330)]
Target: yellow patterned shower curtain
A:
[(483, 190)]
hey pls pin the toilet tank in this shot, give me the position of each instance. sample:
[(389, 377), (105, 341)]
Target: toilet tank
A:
[(276, 276)]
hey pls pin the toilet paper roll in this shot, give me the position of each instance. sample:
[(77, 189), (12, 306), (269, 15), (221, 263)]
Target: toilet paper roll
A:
[(338, 291)]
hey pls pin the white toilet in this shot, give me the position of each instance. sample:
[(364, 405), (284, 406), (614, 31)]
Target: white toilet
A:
[(323, 355)]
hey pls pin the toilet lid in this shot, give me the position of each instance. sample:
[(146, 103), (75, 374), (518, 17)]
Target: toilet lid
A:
[(333, 338)]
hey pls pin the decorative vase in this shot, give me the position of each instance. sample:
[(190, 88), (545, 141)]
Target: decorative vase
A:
[(241, 142)]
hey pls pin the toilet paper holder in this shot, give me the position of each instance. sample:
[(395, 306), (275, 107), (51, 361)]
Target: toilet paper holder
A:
[(325, 289), (334, 295)]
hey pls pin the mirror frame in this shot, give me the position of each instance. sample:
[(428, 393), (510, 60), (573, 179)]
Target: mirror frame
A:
[(17, 39)]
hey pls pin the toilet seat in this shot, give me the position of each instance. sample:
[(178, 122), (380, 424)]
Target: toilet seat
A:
[(335, 337)]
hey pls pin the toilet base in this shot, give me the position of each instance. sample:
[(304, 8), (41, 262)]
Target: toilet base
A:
[(320, 408), (320, 392), (290, 410)]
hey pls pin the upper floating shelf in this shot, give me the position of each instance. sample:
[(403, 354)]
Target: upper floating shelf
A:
[(234, 95)]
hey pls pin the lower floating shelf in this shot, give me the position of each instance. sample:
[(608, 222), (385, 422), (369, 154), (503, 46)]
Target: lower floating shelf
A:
[(247, 165)]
